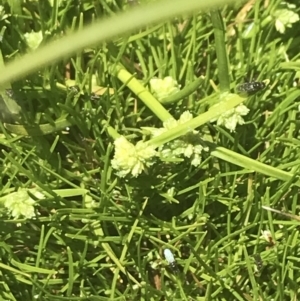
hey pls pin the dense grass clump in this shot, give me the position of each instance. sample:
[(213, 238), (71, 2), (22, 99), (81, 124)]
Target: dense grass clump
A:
[(132, 127)]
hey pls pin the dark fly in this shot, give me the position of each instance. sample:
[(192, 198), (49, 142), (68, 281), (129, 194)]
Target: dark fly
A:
[(250, 88)]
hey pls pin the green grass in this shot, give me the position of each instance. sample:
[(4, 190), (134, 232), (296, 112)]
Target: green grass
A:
[(61, 142)]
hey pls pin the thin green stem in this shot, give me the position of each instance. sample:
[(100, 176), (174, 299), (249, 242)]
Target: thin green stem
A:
[(251, 164), (145, 96), (220, 44), (232, 101)]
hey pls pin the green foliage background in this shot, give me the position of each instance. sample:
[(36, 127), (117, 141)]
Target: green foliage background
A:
[(214, 221)]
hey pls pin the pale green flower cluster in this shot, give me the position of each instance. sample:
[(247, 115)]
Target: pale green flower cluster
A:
[(231, 118), (163, 88), (189, 145), (132, 159), (33, 39), (19, 203), (285, 17)]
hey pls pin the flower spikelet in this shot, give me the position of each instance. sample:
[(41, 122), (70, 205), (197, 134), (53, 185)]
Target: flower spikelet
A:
[(284, 18), (33, 39), (190, 145), (231, 118), (131, 158), (19, 203), (163, 88)]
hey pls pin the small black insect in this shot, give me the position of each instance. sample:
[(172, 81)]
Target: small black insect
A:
[(250, 88)]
